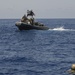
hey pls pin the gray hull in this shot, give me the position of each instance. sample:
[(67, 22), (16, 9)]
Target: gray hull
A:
[(24, 26)]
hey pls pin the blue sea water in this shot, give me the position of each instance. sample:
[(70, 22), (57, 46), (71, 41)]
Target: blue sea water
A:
[(37, 52)]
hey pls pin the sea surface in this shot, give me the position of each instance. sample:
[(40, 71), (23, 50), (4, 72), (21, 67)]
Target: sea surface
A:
[(37, 52)]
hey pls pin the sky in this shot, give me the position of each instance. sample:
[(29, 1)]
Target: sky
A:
[(15, 9)]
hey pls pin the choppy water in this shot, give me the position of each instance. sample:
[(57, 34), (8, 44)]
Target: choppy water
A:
[(37, 52)]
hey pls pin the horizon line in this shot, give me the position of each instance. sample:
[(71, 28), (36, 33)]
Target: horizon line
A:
[(39, 18)]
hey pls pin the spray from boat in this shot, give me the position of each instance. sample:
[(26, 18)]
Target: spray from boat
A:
[(61, 29)]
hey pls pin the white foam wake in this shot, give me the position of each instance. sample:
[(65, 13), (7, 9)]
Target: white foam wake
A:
[(61, 29)]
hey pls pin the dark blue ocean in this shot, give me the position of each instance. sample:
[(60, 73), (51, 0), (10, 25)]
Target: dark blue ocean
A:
[(37, 52)]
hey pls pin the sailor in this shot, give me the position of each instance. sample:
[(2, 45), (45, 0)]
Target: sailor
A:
[(24, 19), (32, 21), (30, 15), (72, 70)]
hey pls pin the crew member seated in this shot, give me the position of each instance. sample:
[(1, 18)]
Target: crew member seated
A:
[(24, 19)]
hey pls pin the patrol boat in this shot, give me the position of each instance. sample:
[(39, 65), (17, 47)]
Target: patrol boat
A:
[(27, 24), (36, 26)]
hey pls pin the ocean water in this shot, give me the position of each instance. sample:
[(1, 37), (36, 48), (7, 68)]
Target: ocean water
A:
[(37, 52)]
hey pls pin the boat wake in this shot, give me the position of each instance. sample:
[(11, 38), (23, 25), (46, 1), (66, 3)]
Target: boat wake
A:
[(61, 29)]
